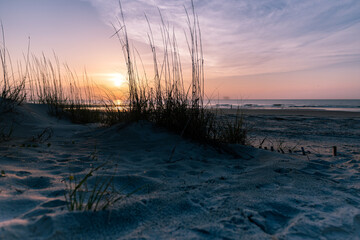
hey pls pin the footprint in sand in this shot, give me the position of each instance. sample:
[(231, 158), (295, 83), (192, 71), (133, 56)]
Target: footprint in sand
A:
[(36, 182), (43, 227), (37, 212), (16, 207), (63, 157), (22, 173), (357, 224), (334, 232), (53, 203), (275, 218), (268, 186), (56, 193), (54, 167), (49, 161), (282, 170)]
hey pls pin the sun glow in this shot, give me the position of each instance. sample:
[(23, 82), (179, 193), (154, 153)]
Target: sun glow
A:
[(117, 79)]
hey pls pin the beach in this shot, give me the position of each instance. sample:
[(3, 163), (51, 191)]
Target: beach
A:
[(181, 189), (293, 112), (157, 120), (317, 131)]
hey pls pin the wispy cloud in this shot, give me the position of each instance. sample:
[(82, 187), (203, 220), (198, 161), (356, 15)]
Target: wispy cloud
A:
[(254, 37)]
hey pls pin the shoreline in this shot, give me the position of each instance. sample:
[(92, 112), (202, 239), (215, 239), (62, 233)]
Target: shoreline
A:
[(290, 112)]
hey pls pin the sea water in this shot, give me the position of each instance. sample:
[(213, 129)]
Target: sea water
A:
[(351, 105)]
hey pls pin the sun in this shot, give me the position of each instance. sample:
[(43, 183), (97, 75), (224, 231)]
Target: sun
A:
[(117, 79)]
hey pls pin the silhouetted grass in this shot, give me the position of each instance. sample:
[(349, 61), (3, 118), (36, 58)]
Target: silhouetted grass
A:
[(11, 85), (234, 131), (166, 101)]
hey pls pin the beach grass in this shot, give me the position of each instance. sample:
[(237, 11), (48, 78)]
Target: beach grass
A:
[(234, 131), (80, 196), (167, 101), (11, 85), (66, 94)]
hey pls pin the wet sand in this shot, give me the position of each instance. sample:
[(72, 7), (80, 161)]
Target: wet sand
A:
[(292, 112), (317, 131)]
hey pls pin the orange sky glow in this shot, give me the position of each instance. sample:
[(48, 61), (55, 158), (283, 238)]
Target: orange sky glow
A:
[(252, 49)]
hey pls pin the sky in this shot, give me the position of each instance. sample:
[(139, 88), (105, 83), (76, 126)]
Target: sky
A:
[(263, 49)]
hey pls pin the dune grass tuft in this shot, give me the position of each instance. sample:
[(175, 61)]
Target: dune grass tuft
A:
[(81, 197), (234, 131), (166, 101)]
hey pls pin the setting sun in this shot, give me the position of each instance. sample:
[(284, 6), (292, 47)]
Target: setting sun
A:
[(117, 79)]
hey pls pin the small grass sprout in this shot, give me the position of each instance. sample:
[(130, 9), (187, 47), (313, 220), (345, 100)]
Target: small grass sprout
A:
[(81, 197)]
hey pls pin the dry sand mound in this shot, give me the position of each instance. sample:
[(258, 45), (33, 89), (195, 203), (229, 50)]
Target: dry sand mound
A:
[(200, 192)]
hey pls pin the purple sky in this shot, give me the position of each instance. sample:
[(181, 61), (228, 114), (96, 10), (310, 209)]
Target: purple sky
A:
[(253, 49)]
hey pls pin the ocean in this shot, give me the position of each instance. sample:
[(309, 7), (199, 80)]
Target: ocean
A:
[(350, 105)]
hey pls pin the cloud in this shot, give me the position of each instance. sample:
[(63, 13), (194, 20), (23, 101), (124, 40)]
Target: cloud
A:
[(244, 37)]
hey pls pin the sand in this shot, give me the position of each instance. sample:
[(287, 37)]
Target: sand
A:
[(317, 131), (293, 112), (193, 192)]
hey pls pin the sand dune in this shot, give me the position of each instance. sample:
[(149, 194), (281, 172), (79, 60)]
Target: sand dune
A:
[(199, 192)]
